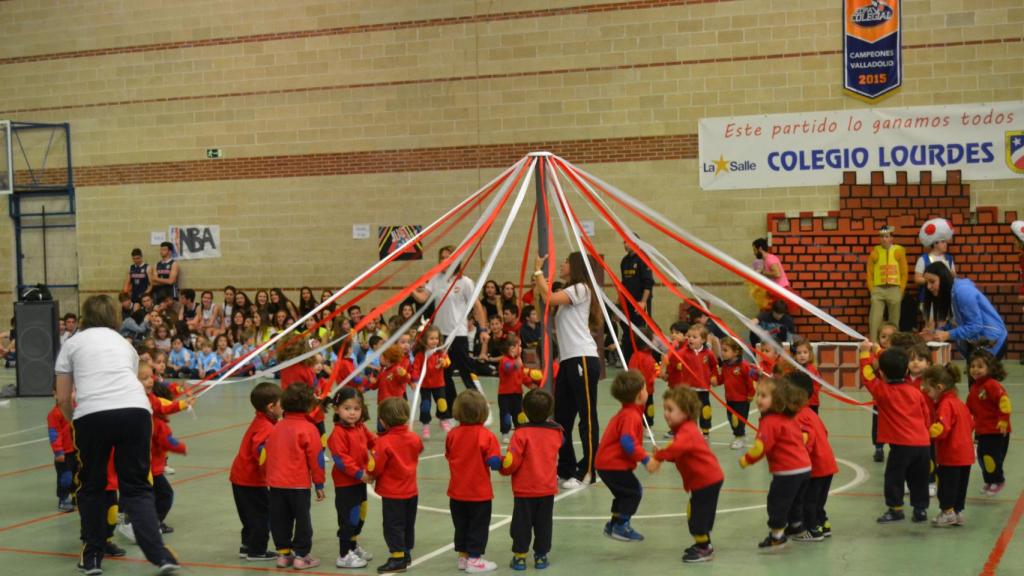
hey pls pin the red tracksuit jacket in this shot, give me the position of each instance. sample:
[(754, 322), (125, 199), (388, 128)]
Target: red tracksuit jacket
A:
[(247, 468), (294, 454), (823, 460), (511, 376), (697, 369), (694, 460), (163, 441), (163, 407), (472, 452), (622, 444), (434, 376), (781, 440), (298, 373), (342, 368), (903, 413), (989, 404), (739, 378), (952, 431), (643, 362), (532, 460), (350, 449), (395, 457), (59, 431), (391, 383)]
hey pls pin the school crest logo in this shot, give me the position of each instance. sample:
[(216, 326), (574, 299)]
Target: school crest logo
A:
[(1015, 151)]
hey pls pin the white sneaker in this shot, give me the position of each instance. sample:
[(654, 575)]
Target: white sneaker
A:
[(931, 490), (168, 471), (571, 484), (426, 431), (945, 519), (478, 565), (127, 531), (504, 438), (463, 562), (446, 425), (363, 553), (669, 435), (487, 424), (737, 444), (350, 560)]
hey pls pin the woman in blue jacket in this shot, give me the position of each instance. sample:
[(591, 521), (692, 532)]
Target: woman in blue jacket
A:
[(965, 314)]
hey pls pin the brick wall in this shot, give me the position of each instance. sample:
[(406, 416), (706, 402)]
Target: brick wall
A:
[(825, 256)]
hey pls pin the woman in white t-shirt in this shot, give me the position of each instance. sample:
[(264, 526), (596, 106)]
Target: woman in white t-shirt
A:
[(111, 413), (576, 320)]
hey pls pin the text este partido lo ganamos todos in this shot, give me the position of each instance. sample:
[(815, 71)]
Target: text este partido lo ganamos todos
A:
[(841, 158)]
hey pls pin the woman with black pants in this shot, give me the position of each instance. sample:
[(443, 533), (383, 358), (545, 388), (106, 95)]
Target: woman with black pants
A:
[(111, 413), (576, 320)]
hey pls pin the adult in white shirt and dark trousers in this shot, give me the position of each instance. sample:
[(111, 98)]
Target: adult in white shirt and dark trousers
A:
[(577, 319), (450, 318), (112, 413)]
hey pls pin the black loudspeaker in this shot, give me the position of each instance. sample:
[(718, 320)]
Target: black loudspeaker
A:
[(38, 344)]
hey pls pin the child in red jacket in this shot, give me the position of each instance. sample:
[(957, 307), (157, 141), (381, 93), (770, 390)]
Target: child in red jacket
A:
[(472, 452), (808, 521), (162, 442), (697, 368), (294, 460), (428, 352), (739, 377), (903, 419), (511, 378), (780, 439), (249, 477), (393, 377), (532, 462), (393, 470), (621, 448), (803, 353), (702, 476), (885, 333), (65, 459), (954, 448), (643, 361), (350, 445), (991, 408)]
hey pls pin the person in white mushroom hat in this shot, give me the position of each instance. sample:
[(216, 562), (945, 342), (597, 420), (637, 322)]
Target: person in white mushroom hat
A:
[(935, 236)]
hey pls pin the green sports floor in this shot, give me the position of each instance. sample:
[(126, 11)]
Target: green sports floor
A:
[(35, 539)]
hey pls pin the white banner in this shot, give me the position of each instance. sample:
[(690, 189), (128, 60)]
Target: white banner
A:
[(195, 241), (985, 141)]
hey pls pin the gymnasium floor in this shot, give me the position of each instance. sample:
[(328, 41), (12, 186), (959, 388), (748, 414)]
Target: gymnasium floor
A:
[(35, 539)]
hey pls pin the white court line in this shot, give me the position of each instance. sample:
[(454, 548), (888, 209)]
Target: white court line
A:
[(37, 440), (16, 432), (860, 476)]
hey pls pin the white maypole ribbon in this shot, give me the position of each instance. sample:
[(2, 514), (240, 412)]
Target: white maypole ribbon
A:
[(479, 285), (563, 204), (745, 270), (269, 372), (433, 297), (369, 272)]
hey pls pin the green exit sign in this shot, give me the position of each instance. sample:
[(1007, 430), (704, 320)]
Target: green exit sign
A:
[(214, 153)]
